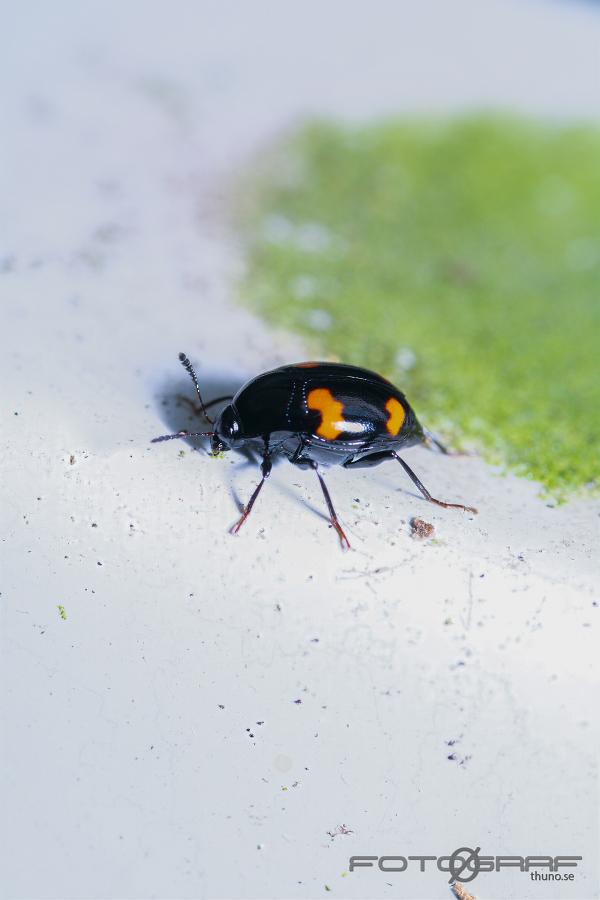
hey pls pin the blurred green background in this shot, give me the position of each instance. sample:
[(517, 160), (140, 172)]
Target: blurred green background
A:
[(461, 259)]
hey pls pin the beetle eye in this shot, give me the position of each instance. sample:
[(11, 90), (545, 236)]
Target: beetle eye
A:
[(228, 427)]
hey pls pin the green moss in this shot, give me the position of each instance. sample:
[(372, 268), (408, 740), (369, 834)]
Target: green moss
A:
[(460, 258)]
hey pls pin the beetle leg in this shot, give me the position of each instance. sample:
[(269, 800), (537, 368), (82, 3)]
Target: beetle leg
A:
[(265, 468), (424, 490), (332, 513), (296, 458), (371, 459), (432, 440)]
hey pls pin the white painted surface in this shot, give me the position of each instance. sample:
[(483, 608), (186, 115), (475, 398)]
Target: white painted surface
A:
[(122, 776)]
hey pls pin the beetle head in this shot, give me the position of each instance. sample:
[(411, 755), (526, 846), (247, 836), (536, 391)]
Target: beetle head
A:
[(227, 430)]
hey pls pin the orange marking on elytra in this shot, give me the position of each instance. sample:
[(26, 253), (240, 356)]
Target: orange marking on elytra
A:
[(307, 365), (397, 415), (332, 420)]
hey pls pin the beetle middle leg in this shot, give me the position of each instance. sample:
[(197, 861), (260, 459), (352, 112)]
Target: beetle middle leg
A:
[(332, 513), (373, 459), (265, 468)]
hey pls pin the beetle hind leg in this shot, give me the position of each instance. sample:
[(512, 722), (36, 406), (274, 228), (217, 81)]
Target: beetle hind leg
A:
[(373, 459), (332, 513), (432, 441), (424, 490)]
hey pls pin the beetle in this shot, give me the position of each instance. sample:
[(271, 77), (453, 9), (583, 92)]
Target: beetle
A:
[(316, 414)]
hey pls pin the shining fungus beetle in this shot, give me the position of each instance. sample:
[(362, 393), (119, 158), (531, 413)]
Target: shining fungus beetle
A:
[(316, 414)]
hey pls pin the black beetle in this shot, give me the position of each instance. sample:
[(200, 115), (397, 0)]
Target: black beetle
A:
[(316, 413)]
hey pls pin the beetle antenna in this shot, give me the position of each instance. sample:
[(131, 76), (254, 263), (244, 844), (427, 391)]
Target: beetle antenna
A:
[(190, 369), (181, 434)]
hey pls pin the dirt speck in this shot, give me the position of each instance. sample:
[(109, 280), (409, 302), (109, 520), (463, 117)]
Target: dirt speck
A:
[(341, 829), (461, 893), (420, 529)]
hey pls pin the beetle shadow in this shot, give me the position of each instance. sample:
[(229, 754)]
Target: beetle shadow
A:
[(278, 486), (296, 495), (172, 401)]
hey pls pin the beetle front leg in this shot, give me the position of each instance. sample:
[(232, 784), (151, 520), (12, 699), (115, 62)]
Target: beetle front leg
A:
[(265, 467)]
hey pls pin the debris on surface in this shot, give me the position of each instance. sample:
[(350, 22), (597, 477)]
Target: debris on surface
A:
[(420, 529), (459, 760), (461, 892), (341, 829)]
